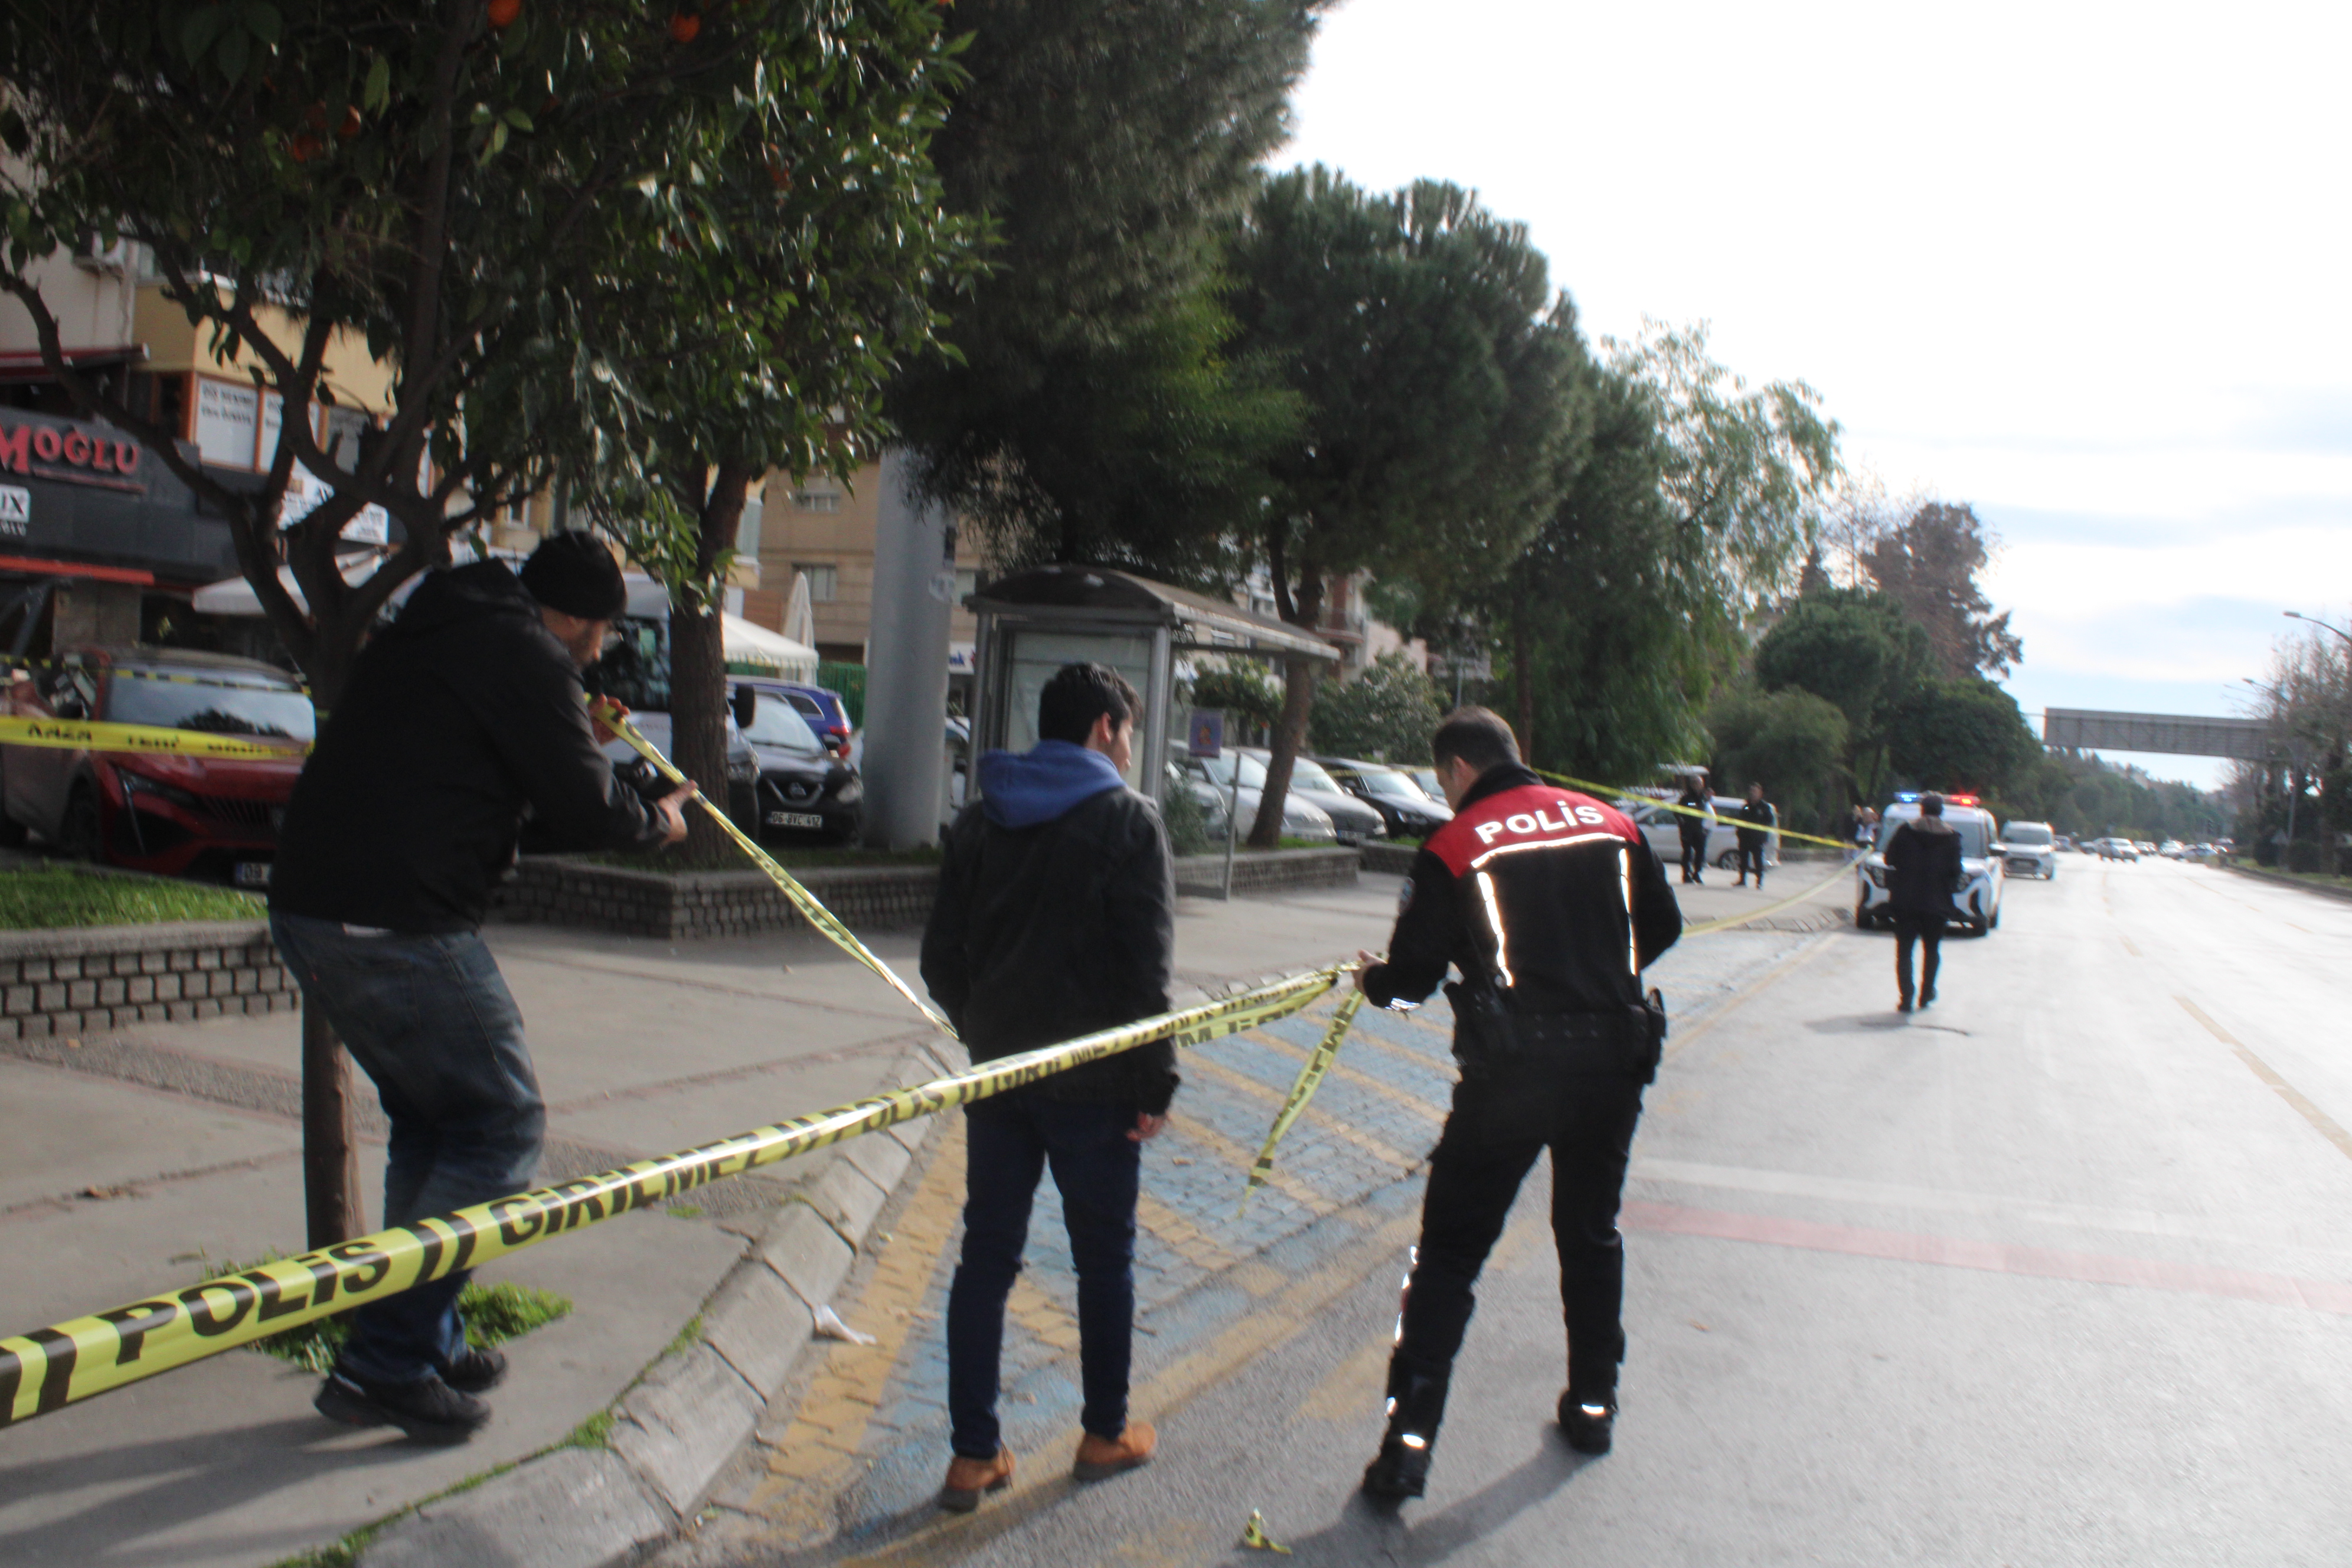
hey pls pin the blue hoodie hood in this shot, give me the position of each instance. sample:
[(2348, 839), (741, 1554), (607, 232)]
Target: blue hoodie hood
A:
[(1021, 789)]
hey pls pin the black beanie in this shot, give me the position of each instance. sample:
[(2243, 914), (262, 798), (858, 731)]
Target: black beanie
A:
[(574, 572)]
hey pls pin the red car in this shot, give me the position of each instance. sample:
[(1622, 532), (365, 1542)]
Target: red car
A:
[(195, 817)]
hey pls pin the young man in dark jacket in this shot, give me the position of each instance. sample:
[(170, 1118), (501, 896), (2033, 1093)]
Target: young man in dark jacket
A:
[(1055, 917), (1923, 868), (463, 716), (1757, 818), (1550, 904)]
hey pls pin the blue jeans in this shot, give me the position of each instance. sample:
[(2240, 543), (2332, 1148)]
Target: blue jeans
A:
[(429, 1018), (1013, 1137)]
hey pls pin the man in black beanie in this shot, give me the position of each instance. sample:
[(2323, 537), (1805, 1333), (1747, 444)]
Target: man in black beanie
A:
[(462, 718)]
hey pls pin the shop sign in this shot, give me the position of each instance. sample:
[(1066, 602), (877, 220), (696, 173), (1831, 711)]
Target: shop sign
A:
[(69, 453)]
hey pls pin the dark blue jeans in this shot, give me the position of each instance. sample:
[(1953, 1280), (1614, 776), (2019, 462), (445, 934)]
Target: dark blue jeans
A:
[(429, 1018), (1011, 1139)]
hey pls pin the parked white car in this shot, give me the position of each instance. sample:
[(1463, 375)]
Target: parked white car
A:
[(2029, 849)]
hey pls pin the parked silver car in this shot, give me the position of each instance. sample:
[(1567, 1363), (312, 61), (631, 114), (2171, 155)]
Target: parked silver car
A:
[(1353, 820), (1212, 784), (1662, 830)]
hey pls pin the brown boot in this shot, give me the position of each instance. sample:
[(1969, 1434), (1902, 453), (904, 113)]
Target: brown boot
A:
[(967, 1478), (1099, 1458)]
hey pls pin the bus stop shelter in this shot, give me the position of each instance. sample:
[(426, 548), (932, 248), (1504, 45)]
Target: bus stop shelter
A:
[(1034, 622)]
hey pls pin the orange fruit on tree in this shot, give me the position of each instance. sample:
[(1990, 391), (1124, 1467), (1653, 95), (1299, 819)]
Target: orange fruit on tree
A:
[(504, 12), (684, 27)]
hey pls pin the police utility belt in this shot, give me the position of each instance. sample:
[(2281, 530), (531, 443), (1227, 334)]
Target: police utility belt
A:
[(1488, 1035)]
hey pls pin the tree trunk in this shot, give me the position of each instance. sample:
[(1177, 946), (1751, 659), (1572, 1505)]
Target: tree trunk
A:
[(1523, 675), (331, 1149), (1298, 678), (698, 676), (331, 1145)]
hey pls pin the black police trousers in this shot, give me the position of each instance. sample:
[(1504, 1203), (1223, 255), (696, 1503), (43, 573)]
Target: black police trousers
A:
[(1503, 1117)]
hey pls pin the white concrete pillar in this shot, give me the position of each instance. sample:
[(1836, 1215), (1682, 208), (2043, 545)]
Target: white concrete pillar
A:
[(907, 662)]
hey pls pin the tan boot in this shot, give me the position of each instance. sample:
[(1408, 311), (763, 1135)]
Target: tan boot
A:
[(967, 1478), (1099, 1458)]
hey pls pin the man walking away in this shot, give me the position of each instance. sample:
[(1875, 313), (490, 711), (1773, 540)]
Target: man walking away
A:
[(1550, 904), (1758, 817), (1696, 829), (1923, 868), (1056, 918), (461, 718)]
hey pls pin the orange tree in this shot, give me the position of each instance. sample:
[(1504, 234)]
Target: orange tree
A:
[(471, 190)]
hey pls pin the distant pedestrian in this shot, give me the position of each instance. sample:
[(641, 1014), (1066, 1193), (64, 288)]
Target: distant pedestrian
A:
[(1923, 870), (1696, 823), (1550, 904), (1055, 917), (462, 719), (1758, 817)]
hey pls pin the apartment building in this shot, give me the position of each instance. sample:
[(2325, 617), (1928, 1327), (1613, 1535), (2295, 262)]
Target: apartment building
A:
[(823, 531), (98, 540)]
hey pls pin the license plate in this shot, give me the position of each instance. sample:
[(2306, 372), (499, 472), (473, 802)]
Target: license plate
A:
[(253, 873), (794, 819)]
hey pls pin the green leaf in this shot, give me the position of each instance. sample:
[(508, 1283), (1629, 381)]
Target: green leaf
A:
[(262, 20), (202, 25), (518, 118), (378, 91), (232, 54)]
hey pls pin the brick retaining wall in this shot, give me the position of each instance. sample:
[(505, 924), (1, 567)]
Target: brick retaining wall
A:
[(557, 890), (90, 978), (1271, 871)]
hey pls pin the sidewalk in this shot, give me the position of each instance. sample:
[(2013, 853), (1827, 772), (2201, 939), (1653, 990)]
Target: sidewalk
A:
[(129, 1163)]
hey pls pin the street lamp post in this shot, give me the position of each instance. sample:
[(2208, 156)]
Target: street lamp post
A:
[(2314, 620)]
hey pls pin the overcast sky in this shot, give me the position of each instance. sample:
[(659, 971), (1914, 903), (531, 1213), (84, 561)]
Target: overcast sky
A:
[(2083, 266)]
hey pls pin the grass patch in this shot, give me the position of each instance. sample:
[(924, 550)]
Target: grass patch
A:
[(597, 1432), (51, 898), (493, 1313), (688, 1338)]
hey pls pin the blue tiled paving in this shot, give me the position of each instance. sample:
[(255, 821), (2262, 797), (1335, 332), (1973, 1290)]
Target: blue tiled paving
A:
[(1185, 1290)]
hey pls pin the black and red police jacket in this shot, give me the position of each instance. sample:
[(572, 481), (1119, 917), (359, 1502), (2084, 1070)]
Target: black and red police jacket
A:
[(1550, 894)]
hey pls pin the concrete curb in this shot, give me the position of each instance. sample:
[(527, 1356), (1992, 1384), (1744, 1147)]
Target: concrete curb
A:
[(2287, 879), (681, 1423)]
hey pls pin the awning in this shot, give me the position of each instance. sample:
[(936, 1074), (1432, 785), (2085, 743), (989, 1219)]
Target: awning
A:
[(20, 365), (747, 643), (1201, 623)]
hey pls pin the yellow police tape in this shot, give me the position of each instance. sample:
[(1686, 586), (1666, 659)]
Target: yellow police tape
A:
[(144, 740), (1310, 1078), (811, 909), (1602, 791), (65, 1362)]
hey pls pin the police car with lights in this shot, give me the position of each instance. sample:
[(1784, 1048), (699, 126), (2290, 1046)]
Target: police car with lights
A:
[(1975, 903)]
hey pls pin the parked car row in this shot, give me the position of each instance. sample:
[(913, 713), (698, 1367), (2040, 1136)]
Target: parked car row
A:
[(1331, 800)]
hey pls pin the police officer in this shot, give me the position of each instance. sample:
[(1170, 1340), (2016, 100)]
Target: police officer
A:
[(1551, 905), (1758, 817), (1695, 823)]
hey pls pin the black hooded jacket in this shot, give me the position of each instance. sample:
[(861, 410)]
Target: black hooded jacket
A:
[(1923, 868), (1057, 917), (460, 717)]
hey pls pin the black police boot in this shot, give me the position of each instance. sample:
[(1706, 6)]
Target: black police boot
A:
[(1401, 1469), (1586, 1424)]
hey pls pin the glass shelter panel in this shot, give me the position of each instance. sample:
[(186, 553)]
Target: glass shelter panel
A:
[(1036, 655)]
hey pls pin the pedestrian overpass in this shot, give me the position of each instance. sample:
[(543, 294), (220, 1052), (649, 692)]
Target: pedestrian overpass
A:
[(2186, 735)]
